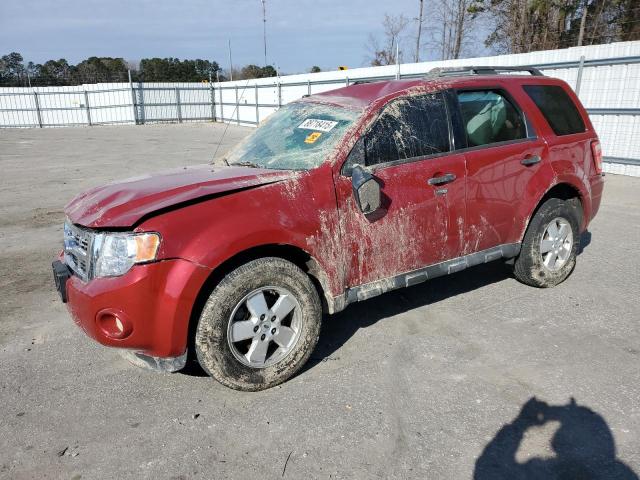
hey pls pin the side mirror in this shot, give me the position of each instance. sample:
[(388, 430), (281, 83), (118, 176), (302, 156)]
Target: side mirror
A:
[(366, 190)]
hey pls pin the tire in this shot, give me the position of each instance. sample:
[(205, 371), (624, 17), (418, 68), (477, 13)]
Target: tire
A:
[(231, 363), (530, 267)]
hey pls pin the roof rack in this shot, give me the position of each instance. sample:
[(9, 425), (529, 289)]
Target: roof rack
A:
[(362, 82), (495, 70)]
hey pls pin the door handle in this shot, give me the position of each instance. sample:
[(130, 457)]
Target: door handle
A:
[(442, 180), (532, 160)]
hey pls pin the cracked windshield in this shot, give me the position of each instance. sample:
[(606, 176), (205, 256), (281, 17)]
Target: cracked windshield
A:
[(299, 136)]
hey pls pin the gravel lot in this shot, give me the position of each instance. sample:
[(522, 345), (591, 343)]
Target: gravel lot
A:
[(417, 383)]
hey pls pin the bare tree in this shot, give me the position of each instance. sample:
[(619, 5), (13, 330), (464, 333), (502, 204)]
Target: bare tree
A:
[(394, 27), (454, 26), (523, 26), (420, 16), (583, 22)]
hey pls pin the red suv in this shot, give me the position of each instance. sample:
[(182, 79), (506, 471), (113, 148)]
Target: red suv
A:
[(334, 199)]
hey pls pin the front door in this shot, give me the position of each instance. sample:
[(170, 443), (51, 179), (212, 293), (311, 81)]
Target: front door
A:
[(421, 220)]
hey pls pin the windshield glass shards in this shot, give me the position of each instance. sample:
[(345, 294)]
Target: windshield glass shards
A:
[(299, 136)]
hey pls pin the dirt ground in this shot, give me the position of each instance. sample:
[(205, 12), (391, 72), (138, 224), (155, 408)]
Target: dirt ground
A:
[(435, 381)]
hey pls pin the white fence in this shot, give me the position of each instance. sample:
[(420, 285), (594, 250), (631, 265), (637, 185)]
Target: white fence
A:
[(606, 77)]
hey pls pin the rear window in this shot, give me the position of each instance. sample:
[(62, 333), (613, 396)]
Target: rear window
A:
[(557, 107), (489, 117)]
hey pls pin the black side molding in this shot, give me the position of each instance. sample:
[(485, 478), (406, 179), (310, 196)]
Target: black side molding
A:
[(373, 289)]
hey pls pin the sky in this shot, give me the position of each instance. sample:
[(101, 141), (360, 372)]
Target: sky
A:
[(300, 33)]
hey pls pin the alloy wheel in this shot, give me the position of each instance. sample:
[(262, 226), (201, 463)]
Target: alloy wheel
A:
[(264, 327), (556, 244)]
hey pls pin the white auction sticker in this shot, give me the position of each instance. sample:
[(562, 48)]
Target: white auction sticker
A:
[(318, 125)]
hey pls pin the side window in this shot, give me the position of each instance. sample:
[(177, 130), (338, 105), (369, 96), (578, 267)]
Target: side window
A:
[(557, 107), (489, 117), (407, 128)]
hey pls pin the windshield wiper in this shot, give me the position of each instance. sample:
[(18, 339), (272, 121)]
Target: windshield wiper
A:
[(246, 164)]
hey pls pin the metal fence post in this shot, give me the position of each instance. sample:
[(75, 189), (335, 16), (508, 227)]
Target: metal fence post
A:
[(178, 106), (279, 94), (237, 107), (221, 102), (213, 99), (86, 106), (579, 79), (347, 80), (308, 87), (257, 106), (35, 99), (133, 99), (140, 108)]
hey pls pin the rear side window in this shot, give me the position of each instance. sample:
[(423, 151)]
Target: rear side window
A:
[(408, 128), (557, 107), (490, 117)]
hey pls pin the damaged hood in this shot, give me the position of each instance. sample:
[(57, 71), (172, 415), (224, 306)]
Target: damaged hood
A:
[(123, 203)]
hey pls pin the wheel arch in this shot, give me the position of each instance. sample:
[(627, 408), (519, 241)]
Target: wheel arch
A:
[(294, 254), (562, 191)]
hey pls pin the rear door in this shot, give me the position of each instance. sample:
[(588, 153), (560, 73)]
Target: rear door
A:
[(502, 154), (421, 221)]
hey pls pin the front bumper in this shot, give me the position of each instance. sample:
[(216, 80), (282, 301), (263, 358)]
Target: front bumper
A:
[(159, 364), (147, 310), (61, 273)]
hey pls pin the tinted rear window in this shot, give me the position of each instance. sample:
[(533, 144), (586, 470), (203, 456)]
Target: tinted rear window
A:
[(557, 107)]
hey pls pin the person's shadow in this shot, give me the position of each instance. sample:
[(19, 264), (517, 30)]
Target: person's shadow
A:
[(583, 445)]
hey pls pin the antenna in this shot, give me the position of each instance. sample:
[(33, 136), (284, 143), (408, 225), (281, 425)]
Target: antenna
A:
[(224, 132)]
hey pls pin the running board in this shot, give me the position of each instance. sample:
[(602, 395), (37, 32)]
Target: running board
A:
[(373, 289)]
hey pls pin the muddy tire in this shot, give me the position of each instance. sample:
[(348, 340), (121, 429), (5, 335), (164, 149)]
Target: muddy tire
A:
[(259, 325), (550, 245)]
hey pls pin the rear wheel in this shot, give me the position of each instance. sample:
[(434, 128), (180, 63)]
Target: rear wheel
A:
[(550, 245), (259, 326)]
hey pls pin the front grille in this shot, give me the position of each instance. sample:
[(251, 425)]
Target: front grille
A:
[(78, 243)]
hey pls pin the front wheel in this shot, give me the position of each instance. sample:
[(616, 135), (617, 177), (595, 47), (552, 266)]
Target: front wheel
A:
[(550, 245), (259, 326)]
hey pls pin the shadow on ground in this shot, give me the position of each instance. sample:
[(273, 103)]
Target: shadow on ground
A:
[(583, 447), (339, 328)]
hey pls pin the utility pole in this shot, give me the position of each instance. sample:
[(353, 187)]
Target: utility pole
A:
[(264, 30), (419, 31), (230, 63)]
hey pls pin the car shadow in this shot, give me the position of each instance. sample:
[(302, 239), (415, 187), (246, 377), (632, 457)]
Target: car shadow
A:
[(585, 241), (583, 447), (339, 328)]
